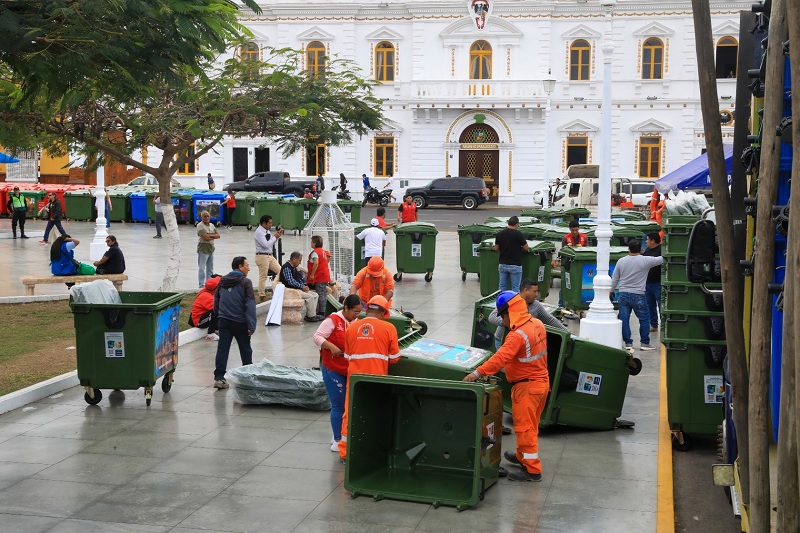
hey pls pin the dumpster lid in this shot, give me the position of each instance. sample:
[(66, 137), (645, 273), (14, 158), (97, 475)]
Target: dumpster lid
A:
[(541, 246), (457, 355), (590, 252), (417, 227)]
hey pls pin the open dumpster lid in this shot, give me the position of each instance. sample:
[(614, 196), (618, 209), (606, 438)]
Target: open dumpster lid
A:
[(458, 355)]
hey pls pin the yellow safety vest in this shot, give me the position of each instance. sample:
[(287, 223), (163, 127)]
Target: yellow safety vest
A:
[(18, 202)]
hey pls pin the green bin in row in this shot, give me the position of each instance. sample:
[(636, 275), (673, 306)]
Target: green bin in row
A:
[(403, 322), (695, 325), (79, 204), (127, 345), (470, 237), (677, 229), (536, 264), (261, 205), (296, 212), (241, 215), (483, 331), (554, 215), (690, 297), (578, 269), (628, 214), (415, 247)]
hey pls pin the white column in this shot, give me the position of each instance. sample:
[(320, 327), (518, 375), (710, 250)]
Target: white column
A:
[(601, 324), (546, 199), (98, 245)]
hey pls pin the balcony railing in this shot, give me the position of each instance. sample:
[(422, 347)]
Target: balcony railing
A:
[(477, 89)]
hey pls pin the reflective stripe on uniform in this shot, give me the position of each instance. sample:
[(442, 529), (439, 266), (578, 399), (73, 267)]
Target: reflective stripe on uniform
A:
[(526, 455), (359, 356), (344, 439), (395, 356), (528, 357)]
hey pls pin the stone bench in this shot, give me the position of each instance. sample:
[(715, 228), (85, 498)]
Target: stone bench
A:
[(30, 282)]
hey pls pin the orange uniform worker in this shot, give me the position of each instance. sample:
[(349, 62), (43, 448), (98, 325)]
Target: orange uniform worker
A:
[(373, 280), (524, 356), (370, 346)]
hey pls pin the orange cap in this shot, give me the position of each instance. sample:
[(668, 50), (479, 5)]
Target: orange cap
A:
[(375, 266), (379, 302)]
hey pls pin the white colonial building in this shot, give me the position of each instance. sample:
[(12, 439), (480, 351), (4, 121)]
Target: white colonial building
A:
[(464, 100)]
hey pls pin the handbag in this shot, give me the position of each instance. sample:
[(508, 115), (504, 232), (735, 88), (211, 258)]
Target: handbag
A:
[(85, 269)]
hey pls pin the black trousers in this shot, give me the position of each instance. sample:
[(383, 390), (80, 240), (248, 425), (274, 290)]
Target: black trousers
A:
[(18, 217)]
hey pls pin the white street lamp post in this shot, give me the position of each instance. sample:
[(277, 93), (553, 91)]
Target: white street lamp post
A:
[(601, 324), (548, 84), (98, 245)]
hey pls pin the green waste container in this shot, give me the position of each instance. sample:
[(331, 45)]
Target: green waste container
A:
[(536, 264), (504, 220), (578, 268), (351, 210), (695, 387), (422, 440), (482, 330), (259, 205), (241, 216), (694, 325), (554, 215), (404, 322), (359, 257), (427, 358), (415, 247), (689, 297), (673, 269), (677, 229), (621, 235), (127, 345), (120, 204), (470, 237), (296, 212), (80, 204), (629, 214), (644, 226)]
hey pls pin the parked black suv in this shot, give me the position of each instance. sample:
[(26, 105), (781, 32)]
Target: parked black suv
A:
[(469, 192)]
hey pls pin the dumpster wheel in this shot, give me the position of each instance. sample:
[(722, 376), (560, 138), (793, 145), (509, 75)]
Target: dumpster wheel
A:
[(398, 276), (249, 227), (429, 277), (634, 366), (148, 395), (681, 441), (463, 276), (423, 327), (166, 383), (92, 396)]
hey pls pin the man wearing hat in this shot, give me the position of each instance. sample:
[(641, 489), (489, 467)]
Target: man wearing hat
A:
[(18, 209), (524, 356), (374, 240), (370, 346), (373, 280)]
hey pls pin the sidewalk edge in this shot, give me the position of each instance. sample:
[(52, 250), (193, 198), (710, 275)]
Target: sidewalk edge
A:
[(665, 507)]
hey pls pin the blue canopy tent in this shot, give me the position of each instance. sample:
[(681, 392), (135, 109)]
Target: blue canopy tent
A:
[(694, 174), (5, 158)]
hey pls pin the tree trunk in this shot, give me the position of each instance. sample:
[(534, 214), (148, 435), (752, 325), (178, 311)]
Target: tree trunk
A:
[(732, 282), (793, 399), (170, 281), (764, 268)]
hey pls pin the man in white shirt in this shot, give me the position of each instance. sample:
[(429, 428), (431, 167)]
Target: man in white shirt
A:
[(265, 253), (374, 240)]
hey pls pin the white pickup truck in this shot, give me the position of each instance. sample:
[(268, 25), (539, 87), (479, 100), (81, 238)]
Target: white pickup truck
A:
[(579, 186)]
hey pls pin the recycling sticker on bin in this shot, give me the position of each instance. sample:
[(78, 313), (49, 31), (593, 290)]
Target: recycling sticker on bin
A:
[(115, 344), (714, 388), (442, 352), (589, 383)]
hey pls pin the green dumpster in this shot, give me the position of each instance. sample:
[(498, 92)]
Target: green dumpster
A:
[(469, 239), (482, 330), (241, 216), (403, 322), (689, 297), (695, 388), (127, 345), (673, 269), (120, 204), (504, 220), (554, 215), (415, 246), (695, 325), (259, 205), (183, 205), (359, 257), (536, 264), (628, 214), (296, 212), (351, 210), (644, 226), (80, 204), (422, 440), (34, 201), (427, 358), (677, 229), (578, 268)]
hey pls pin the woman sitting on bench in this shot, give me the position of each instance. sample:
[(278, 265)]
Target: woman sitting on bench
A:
[(62, 256)]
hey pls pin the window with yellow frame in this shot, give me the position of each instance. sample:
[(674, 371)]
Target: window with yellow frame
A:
[(653, 59), (727, 56), (579, 56), (577, 150), (315, 58), (315, 158), (650, 157), (189, 166), (384, 61), (250, 52), (384, 156), (480, 61)]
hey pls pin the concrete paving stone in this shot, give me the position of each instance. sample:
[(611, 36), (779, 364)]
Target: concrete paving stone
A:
[(157, 489), (619, 494), (49, 498), (559, 517), (131, 513), (312, 525), (195, 530), (90, 526), (10, 430), (37, 414), (185, 423), (309, 455), (608, 465), (283, 411), (211, 462), (143, 444), (15, 523), (246, 514), (83, 427), (12, 472), (245, 438), (289, 483), (98, 468), (641, 405), (268, 422), (71, 396), (616, 443), (319, 431), (339, 506), (42, 450)]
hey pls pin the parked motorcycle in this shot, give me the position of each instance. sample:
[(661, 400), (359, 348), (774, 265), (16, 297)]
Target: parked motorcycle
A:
[(341, 195), (374, 196)]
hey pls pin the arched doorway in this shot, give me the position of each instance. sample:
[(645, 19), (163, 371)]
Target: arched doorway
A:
[(479, 156)]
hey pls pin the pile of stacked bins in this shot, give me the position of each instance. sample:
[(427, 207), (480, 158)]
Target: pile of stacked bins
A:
[(693, 332)]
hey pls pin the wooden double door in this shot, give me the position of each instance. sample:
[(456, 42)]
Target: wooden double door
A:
[(482, 164)]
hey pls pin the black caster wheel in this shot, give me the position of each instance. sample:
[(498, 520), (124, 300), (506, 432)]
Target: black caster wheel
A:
[(684, 446), (635, 366), (166, 383), (423, 327), (148, 401), (95, 398), (429, 277), (249, 227), (409, 314), (463, 276), (398, 276)]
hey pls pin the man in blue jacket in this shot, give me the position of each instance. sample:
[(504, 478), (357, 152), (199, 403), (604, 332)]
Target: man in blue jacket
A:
[(235, 307)]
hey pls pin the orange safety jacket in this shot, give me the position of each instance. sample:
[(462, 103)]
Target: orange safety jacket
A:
[(408, 212), (524, 352), (369, 286), (370, 346), (569, 240), (323, 273)]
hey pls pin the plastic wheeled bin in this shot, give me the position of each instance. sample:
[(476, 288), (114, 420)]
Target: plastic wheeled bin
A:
[(504, 220), (702, 325), (621, 235), (139, 207), (120, 204), (81, 204), (536, 265), (483, 331), (422, 440), (127, 345), (578, 269), (296, 212), (204, 201), (351, 210), (428, 358), (404, 322), (628, 214), (415, 246), (359, 257), (34, 200), (677, 229), (259, 205), (241, 215), (470, 237), (554, 215), (690, 297)]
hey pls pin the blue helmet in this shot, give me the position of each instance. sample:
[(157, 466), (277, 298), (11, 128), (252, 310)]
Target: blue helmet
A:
[(502, 301)]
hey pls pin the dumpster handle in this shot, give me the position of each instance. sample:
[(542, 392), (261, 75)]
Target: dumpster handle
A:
[(678, 346), (678, 231), (671, 290), (680, 320)]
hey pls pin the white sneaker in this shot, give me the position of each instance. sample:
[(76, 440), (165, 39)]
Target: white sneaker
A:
[(212, 337), (334, 445)]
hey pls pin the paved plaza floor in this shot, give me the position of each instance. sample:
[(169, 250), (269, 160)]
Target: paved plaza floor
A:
[(196, 461)]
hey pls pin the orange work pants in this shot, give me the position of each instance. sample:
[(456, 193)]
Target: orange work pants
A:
[(343, 442), (527, 403)]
